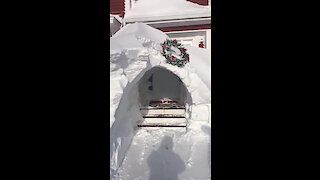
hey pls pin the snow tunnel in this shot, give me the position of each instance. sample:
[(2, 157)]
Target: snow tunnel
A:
[(163, 98)]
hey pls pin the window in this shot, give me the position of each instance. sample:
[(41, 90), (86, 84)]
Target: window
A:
[(192, 38), (185, 42)]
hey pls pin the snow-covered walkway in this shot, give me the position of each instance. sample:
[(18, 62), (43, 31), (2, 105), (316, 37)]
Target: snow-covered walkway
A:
[(168, 154)]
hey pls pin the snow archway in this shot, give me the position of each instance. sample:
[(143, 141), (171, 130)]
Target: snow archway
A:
[(134, 57), (159, 83)]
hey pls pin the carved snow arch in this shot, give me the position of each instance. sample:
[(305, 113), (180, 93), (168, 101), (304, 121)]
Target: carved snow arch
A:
[(163, 99), (160, 83)]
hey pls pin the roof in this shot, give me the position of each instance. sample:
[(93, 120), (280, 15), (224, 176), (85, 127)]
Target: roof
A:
[(146, 10)]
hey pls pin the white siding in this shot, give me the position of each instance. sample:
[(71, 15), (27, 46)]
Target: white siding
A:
[(192, 38)]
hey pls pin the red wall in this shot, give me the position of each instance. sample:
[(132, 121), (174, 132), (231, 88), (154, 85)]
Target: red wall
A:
[(185, 28), (200, 2), (117, 7)]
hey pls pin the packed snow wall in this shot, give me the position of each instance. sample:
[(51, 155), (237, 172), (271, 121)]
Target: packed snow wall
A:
[(135, 51)]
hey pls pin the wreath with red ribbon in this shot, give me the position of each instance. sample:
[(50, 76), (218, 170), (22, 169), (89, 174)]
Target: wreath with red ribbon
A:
[(174, 53)]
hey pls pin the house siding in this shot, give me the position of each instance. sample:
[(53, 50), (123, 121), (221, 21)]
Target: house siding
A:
[(117, 7)]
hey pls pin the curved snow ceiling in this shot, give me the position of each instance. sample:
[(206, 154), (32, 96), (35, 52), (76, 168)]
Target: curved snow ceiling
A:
[(159, 83)]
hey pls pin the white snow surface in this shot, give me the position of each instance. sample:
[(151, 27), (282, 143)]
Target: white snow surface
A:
[(135, 49), (165, 9), (201, 63), (168, 154), (136, 36)]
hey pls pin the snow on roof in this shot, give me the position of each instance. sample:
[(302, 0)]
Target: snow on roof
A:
[(151, 10)]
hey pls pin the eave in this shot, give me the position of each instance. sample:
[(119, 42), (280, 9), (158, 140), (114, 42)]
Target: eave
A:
[(175, 22)]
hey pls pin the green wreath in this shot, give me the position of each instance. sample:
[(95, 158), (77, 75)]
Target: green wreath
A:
[(174, 53)]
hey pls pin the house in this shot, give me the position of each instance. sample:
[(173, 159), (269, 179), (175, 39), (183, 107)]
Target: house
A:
[(188, 21)]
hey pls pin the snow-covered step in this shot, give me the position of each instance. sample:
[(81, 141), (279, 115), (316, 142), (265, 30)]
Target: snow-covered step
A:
[(173, 111), (164, 116), (163, 122)]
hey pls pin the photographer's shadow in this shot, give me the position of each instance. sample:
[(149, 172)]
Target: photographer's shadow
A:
[(165, 164)]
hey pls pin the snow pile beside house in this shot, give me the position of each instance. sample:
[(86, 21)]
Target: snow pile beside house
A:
[(135, 49), (201, 63)]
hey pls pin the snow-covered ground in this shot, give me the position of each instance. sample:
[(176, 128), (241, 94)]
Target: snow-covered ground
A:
[(168, 154), (148, 153)]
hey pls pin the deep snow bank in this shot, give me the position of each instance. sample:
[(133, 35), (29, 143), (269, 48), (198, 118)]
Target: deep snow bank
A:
[(135, 49), (130, 37), (202, 63)]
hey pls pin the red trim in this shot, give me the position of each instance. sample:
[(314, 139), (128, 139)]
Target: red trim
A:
[(201, 2), (185, 28)]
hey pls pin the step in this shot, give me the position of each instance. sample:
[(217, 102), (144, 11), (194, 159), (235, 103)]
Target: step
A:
[(161, 122), (163, 107), (146, 112), (161, 125), (164, 116)]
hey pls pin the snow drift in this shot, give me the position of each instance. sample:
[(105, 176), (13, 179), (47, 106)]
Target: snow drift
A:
[(135, 51)]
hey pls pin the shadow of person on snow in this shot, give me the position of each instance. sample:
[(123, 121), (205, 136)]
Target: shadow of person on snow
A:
[(165, 164)]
